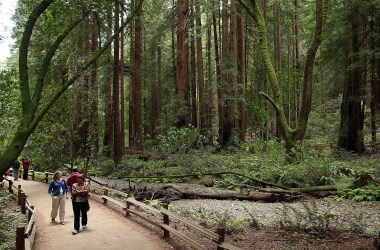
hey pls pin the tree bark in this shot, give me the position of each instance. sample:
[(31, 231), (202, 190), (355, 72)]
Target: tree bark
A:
[(192, 76), (137, 100), (200, 69), (241, 68), (122, 88), (182, 64), (94, 119), (351, 136), (108, 130), (216, 86), (118, 151)]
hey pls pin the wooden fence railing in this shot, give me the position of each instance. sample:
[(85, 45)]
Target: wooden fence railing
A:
[(217, 238), (24, 234)]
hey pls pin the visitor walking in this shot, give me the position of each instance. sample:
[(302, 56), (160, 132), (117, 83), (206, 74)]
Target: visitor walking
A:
[(58, 191), (15, 168), (72, 179), (25, 166), (80, 203)]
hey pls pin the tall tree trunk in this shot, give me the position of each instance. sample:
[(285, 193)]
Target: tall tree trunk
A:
[(277, 36), (157, 95), (216, 87), (122, 88), (374, 84), (108, 131), (200, 70), (223, 121), (132, 88), (94, 119), (116, 90), (182, 64), (137, 112), (192, 76), (231, 112), (277, 51), (241, 68), (352, 109)]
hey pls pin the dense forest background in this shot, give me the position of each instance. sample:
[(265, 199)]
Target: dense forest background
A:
[(191, 75)]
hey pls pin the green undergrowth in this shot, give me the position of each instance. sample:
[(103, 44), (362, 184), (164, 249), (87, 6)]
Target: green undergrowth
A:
[(211, 219), (10, 218), (257, 159)]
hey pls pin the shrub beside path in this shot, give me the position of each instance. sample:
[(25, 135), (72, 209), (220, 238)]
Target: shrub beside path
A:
[(106, 228)]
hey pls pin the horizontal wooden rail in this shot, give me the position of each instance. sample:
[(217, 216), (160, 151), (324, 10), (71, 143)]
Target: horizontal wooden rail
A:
[(192, 242), (217, 238), (188, 223), (140, 204)]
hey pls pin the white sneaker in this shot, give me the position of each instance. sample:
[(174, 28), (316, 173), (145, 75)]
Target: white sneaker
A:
[(62, 223), (84, 227), (75, 232)]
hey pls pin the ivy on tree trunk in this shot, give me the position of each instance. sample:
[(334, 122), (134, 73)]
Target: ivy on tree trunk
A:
[(291, 136)]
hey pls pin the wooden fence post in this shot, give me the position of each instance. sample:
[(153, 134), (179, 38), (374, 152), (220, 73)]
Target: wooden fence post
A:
[(166, 220), (20, 238), (105, 193), (23, 202), (128, 205), (10, 187), (33, 175), (46, 177), (220, 232), (19, 195)]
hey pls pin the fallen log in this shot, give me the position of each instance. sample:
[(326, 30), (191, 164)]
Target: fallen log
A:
[(321, 188), (252, 196), (264, 183)]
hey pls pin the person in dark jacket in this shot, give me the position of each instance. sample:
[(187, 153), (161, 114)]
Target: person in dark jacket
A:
[(58, 191), (80, 203), (15, 168)]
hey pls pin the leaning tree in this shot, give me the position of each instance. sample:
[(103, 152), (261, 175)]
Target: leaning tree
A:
[(32, 85), (290, 135)]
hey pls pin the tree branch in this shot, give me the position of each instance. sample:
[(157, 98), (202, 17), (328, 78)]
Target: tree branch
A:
[(321, 9), (270, 100), (47, 60), (23, 56), (95, 57)]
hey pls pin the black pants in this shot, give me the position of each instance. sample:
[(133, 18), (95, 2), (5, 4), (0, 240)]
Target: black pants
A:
[(80, 207), (25, 175)]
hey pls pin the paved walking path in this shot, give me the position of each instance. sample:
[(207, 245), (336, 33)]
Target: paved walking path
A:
[(106, 229)]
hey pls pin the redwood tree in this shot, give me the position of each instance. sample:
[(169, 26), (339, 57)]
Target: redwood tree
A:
[(182, 64)]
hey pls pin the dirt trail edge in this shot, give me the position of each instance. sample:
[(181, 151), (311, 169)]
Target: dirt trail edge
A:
[(106, 229)]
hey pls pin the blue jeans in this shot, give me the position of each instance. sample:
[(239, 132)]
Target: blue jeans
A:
[(80, 208), (15, 173)]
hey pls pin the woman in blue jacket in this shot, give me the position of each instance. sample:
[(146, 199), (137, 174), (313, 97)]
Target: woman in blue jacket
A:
[(58, 192)]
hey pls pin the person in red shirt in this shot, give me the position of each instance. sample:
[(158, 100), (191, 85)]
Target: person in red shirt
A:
[(25, 166)]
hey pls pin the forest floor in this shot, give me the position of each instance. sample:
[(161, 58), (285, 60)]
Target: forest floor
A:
[(309, 223)]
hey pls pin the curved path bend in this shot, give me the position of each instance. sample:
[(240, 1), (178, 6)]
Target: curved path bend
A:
[(106, 230)]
